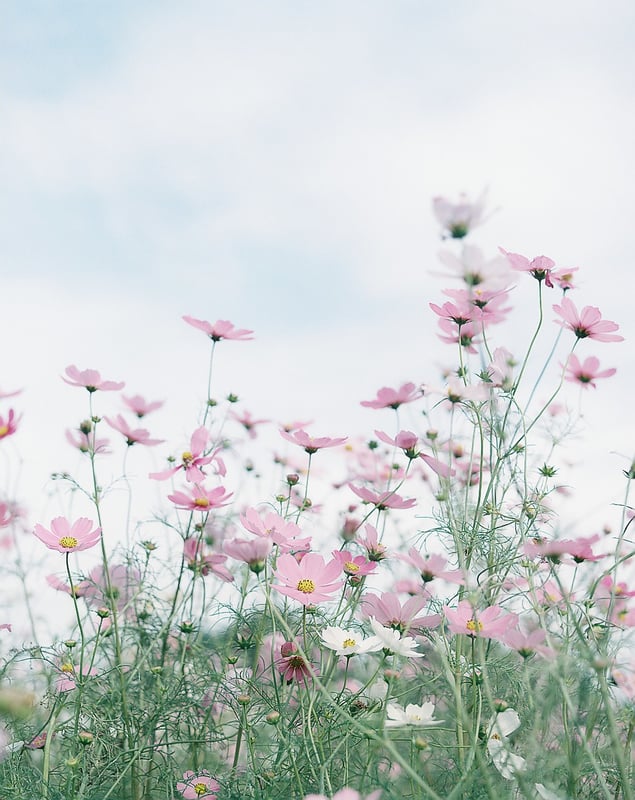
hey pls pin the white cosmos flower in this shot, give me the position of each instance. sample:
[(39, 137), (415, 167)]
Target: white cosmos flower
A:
[(418, 716), (348, 643), (506, 763), (392, 640)]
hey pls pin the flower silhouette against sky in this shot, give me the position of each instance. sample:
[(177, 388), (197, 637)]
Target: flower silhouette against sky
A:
[(221, 329), (90, 379), (132, 435), (311, 444), (393, 398), (588, 323)]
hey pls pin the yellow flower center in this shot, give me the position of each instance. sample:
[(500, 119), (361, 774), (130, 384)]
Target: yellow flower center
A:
[(200, 788), (68, 541), (349, 566), (67, 668), (4, 429), (349, 643), (306, 586), (495, 736), (201, 502), (187, 458), (474, 625)]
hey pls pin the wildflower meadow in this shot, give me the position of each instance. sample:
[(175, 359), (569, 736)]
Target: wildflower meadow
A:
[(400, 612)]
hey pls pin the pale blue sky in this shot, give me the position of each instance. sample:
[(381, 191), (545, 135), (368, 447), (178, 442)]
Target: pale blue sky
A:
[(273, 163)]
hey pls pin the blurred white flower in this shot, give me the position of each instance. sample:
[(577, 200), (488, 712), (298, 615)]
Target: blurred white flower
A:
[(418, 716)]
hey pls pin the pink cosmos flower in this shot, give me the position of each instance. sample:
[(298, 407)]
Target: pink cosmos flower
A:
[(345, 794), (248, 422), (197, 785), (579, 549), (309, 582), (252, 551), (90, 379), (85, 443), (77, 590), (393, 398), (311, 444), (66, 537), (9, 426), (382, 500), (193, 459), (408, 442), (540, 266), (460, 314), (356, 567), (526, 644), (501, 369), (125, 583), (457, 219), (388, 610), (375, 550), (132, 435), (490, 623), (564, 278), (200, 499), (139, 406), (292, 666), (588, 372), (295, 425), (67, 679), (203, 563), (221, 329), (474, 270), (274, 527), (587, 324), (431, 566), (486, 305)]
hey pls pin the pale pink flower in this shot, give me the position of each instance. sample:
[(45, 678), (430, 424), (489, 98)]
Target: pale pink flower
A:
[(355, 567), (309, 582), (252, 551), (132, 435), (66, 537), (9, 425), (431, 566), (458, 219), (203, 563), (201, 499), (474, 270), (486, 305), (197, 785), (382, 500), (125, 583), (4, 395), (460, 314), (311, 444), (221, 329), (77, 590), (540, 266), (295, 425), (526, 644), (90, 379), (393, 398), (390, 612), (192, 460), (579, 549), (501, 369), (588, 323), (587, 372), (86, 443), (140, 406), (67, 678), (408, 442), (490, 623), (375, 550), (564, 278), (274, 527), (248, 422)]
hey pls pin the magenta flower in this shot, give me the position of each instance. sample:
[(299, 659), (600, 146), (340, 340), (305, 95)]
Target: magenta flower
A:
[(540, 266), (221, 329), (9, 425), (588, 324), (382, 500), (199, 499), (309, 582), (457, 219), (139, 406), (90, 379), (192, 460), (311, 444), (132, 435), (197, 785), (490, 623), (393, 398), (587, 372), (66, 537)]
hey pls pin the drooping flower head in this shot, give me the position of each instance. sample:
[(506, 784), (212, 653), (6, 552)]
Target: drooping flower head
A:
[(292, 666), (66, 537)]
